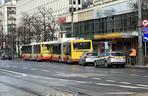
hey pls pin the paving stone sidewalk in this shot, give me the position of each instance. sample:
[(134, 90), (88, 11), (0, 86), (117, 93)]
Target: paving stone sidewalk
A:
[(140, 94), (137, 66)]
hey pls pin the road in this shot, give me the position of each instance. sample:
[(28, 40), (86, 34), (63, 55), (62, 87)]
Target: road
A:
[(31, 78)]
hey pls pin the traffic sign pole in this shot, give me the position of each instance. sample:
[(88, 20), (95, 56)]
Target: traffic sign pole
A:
[(140, 47), (145, 36)]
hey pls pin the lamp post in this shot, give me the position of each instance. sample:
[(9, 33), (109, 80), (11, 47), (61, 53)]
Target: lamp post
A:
[(140, 45), (72, 19)]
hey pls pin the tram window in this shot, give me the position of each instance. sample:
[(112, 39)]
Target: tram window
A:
[(36, 48), (81, 45)]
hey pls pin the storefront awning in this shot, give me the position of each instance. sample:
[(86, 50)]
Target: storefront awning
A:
[(114, 35)]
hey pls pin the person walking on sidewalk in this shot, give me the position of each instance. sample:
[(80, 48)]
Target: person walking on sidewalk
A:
[(132, 55)]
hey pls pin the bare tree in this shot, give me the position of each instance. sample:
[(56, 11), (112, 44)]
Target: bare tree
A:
[(48, 23), (41, 26), (25, 33)]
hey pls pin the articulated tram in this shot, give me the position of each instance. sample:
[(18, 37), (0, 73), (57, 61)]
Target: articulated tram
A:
[(63, 50)]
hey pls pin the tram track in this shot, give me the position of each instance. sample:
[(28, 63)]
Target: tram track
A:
[(68, 89)]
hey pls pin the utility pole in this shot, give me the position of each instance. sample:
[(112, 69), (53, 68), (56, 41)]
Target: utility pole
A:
[(72, 34), (44, 34), (140, 45), (12, 37)]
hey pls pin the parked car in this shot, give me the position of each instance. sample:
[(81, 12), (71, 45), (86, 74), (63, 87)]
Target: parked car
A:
[(88, 58), (6, 56), (109, 59)]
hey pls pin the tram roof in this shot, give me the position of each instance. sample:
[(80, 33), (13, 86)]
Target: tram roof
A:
[(57, 41)]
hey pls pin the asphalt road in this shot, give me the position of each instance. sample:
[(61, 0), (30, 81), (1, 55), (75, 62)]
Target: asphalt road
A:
[(31, 78)]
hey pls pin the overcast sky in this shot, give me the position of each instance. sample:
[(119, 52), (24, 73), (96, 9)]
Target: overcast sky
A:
[(1, 0)]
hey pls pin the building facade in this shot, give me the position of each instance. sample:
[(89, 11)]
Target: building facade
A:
[(7, 24), (111, 24), (58, 7), (9, 16)]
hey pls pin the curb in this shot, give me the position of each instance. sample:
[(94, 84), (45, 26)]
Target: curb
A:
[(139, 94), (137, 66)]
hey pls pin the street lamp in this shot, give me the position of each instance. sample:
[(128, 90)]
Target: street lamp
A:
[(72, 19), (140, 45)]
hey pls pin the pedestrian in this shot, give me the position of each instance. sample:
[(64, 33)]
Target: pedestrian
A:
[(132, 55)]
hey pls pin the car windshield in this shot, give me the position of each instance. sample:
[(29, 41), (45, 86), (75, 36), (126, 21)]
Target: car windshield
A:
[(117, 54), (92, 54)]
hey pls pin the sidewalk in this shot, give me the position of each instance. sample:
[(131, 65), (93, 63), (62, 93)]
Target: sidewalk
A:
[(137, 66), (140, 94)]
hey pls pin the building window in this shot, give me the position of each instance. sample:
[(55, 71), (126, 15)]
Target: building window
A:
[(79, 2), (74, 1), (70, 2), (117, 23)]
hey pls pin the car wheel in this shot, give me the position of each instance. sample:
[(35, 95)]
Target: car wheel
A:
[(122, 66), (95, 64), (83, 64)]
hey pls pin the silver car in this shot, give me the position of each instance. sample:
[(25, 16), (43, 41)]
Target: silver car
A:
[(109, 59), (88, 58)]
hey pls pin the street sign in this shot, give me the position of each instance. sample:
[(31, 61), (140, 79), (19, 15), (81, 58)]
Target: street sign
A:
[(145, 23), (145, 38), (145, 30)]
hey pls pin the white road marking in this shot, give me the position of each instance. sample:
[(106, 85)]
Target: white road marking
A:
[(84, 76), (146, 76), (104, 84), (24, 68), (97, 78), (120, 93), (130, 87), (47, 78), (82, 82), (134, 75), (142, 85), (123, 86), (17, 76), (33, 69), (46, 70), (14, 66), (5, 66), (3, 76), (125, 83), (24, 74), (110, 80)]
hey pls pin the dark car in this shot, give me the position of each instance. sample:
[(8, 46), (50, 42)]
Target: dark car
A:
[(5, 56)]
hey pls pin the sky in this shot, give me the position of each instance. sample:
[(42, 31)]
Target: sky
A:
[(2, 1)]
